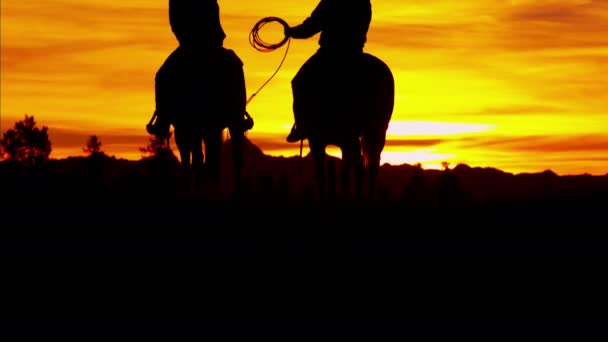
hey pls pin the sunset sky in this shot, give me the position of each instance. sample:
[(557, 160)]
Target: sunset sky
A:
[(519, 85)]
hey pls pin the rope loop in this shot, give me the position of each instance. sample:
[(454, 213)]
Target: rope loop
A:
[(256, 41), (259, 44)]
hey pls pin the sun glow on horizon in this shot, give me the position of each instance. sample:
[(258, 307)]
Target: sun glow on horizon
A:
[(405, 128)]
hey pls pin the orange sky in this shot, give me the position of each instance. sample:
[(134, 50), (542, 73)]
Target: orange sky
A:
[(520, 85)]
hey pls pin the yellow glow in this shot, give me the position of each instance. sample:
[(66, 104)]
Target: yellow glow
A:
[(424, 128), (518, 85)]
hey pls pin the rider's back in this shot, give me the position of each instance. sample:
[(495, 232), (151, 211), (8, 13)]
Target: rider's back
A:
[(343, 25), (200, 86)]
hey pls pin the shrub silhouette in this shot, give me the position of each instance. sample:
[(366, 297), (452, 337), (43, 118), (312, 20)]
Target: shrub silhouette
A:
[(158, 148), (93, 147), (26, 143), (161, 164)]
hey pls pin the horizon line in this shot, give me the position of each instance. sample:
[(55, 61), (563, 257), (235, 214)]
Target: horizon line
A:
[(384, 164)]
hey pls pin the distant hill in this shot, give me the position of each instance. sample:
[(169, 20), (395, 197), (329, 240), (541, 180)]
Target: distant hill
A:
[(286, 179), (105, 199)]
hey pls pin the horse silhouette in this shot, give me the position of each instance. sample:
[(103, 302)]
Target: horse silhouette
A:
[(351, 109), (203, 91)]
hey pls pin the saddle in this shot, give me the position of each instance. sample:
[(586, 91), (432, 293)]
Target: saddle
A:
[(160, 125), (178, 79)]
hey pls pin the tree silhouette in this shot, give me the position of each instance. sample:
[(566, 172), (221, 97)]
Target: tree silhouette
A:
[(26, 143), (93, 147), (158, 148)]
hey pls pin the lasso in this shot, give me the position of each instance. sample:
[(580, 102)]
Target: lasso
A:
[(259, 44), (256, 41)]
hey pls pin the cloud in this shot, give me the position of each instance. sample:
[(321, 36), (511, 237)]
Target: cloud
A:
[(419, 36), (413, 142), (64, 31), (521, 109), (539, 144), (556, 11), (67, 142), (486, 26), (554, 24)]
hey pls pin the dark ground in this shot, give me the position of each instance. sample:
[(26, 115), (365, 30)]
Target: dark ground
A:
[(125, 260)]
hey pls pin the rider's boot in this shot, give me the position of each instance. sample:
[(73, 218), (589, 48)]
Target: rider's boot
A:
[(296, 134)]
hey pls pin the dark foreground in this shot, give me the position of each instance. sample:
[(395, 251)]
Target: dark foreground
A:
[(185, 265), (193, 225), (121, 258), (102, 206)]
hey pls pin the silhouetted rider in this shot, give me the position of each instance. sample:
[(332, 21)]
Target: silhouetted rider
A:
[(196, 22), (200, 89), (197, 27), (343, 25)]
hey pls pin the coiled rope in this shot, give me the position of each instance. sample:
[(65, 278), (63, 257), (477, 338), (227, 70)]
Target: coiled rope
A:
[(256, 41)]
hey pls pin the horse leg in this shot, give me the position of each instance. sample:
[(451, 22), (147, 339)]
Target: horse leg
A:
[(318, 153), (213, 147), (184, 146), (237, 138), (373, 147), (198, 161), (352, 161), (374, 168), (186, 169)]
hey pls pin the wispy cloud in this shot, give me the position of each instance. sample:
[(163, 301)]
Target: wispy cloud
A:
[(542, 144), (515, 109), (408, 143)]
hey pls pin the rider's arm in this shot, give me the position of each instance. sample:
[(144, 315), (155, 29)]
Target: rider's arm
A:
[(312, 25)]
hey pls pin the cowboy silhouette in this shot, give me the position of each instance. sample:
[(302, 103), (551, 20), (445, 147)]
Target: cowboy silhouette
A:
[(200, 89), (343, 25), (197, 27)]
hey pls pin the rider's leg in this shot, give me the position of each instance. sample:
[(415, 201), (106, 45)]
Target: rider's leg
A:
[(237, 138), (183, 142), (296, 133), (352, 162), (164, 93), (303, 88)]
